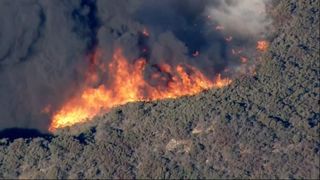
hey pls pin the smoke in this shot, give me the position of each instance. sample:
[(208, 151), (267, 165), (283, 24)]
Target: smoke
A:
[(39, 59), (246, 17), (46, 45)]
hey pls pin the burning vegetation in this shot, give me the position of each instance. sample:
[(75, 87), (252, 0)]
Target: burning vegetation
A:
[(115, 52), (261, 127), (129, 85), (262, 45), (172, 52)]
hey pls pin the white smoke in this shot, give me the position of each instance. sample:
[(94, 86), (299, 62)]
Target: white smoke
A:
[(244, 17)]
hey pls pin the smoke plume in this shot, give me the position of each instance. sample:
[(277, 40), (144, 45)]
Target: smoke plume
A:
[(246, 18), (46, 46)]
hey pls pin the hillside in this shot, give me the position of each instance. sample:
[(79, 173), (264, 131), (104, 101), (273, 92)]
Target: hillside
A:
[(261, 126)]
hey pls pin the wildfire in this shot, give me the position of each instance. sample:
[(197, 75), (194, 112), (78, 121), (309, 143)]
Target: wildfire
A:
[(129, 85), (262, 45)]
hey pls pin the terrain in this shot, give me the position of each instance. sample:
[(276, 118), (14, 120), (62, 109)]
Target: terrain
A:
[(261, 126)]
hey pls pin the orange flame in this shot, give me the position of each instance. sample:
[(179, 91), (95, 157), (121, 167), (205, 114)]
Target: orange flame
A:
[(262, 45), (129, 85)]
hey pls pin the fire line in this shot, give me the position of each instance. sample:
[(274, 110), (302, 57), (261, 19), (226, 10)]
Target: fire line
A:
[(129, 85)]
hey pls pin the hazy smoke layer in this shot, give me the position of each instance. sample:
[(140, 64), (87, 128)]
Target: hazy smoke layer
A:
[(244, 17), (45, 45)]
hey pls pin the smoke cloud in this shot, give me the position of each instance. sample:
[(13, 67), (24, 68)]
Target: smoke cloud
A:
[(46, 45), (246, 17)]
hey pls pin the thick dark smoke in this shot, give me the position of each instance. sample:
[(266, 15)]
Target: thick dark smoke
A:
[(45, 45)]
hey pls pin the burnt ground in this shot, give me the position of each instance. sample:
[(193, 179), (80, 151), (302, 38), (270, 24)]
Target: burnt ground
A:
[(262, 126)]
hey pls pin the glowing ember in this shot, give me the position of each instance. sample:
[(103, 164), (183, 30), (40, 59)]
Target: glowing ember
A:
[(196, 53), (128, 85), (229, 38), (46, 109), (145, 32), (236, 52), (244, 59), (262, 46)]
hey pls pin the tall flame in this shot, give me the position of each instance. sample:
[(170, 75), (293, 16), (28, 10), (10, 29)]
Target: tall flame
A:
[(129, 85)]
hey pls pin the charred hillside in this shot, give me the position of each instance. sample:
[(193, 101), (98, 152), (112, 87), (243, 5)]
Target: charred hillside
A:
[(260, 126)]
